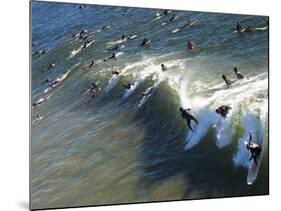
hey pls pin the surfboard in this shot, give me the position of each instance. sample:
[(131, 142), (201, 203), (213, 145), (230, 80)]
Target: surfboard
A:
[(261, 28), (253, 169), (158, 17), (133, 36), (37, 119), (176, 30), (145, 98), (149, 41), (179, 28)]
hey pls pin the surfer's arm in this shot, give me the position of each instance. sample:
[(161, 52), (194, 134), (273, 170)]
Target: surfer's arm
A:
[(250, 137)]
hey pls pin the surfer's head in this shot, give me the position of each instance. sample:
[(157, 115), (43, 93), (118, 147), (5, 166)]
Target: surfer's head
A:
[(235, 69), (181, 109)]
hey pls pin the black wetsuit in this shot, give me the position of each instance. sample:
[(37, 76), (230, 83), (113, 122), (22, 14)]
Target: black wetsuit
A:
[(223, 110), (255, 150), (238, 27), (115, 73), (228, 82), (186, 115), (111, 57), (239, 75), (144, 42)]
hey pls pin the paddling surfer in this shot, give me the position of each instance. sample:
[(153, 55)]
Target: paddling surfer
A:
[(237, 73), (227, 81)]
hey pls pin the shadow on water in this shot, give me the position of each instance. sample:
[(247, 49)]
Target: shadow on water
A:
[(207, 171)]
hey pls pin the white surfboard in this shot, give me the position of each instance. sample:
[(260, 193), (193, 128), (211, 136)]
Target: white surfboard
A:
[(261, 28), (179, 28)]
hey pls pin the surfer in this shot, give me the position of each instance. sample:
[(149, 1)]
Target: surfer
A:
[(185, 113), (86, 44), (166, 12), (149, 91), (125, 12), (254, 148), (116, 72), (227, 81), (187, 25), (223, 110), (238, 74), (82, 6), (163, 68), (113, 56), (52, 65), (238, 27), (38, 102), (105, 27), (91, 64), (128, 85), (190, 46), (47, 80), (145, 42), (124, 37), (174, 17), (40, 52)]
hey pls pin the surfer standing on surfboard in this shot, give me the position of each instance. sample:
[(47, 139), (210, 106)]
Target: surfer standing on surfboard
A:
[(185, 113), (254, 148)]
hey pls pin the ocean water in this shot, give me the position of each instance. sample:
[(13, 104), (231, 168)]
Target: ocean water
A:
[(120, 148)]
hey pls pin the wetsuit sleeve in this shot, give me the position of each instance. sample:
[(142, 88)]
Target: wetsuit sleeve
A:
[(250, 138)]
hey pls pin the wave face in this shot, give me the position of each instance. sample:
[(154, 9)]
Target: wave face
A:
[(121, 147)]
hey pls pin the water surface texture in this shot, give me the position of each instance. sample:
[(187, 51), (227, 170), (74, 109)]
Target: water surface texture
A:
[(119, 148)]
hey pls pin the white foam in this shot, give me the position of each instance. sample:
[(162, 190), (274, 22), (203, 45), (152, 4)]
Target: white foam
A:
[(113, 81)]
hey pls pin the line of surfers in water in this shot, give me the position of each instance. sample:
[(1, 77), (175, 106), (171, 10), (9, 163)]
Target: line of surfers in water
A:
[(94, 90)]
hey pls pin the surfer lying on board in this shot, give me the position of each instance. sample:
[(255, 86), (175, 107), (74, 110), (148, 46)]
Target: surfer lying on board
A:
[(238, 74), (47, 80), (223, 110), (116, 72), (173, 18), (128, 86), (186, 115), (113, 56), (227, 81), (187, 25), (255, 149)]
